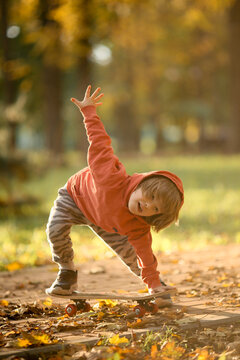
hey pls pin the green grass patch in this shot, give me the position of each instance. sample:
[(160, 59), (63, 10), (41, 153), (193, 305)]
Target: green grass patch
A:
[(211, 213)]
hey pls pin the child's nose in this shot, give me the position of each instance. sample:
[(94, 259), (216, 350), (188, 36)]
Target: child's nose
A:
[(149, 206)]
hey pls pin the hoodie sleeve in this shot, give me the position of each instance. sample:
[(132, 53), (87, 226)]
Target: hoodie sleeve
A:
[(146, 259), (104, 165)]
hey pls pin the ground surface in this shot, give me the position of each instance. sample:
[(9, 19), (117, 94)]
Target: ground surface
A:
[(208, 283)]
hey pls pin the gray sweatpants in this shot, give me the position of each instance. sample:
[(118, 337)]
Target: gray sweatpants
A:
[(63, 215)]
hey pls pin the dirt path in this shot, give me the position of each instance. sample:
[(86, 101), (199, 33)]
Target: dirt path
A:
[(208, 283), (212, 273)]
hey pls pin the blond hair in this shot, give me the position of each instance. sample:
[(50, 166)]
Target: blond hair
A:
[(170, 198)]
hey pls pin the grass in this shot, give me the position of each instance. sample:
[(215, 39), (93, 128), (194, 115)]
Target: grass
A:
[(211, 213)]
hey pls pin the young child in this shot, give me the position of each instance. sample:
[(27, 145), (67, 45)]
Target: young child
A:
[(118, 207)]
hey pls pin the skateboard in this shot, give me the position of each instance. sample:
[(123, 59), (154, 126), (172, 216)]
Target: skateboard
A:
[(145, 302)]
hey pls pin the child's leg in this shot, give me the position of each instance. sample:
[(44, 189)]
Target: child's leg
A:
[(121, 246), (63, 215), (125, 251)]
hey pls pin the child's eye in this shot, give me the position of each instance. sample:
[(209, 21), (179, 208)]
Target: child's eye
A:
[(156, 210), (152, 197)]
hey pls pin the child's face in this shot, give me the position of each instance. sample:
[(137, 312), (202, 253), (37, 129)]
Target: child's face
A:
[(140, 205)]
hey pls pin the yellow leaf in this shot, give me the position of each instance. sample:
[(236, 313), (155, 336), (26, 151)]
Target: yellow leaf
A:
[(4, 303), (48, 302), (154, 351), (100, 315), (172, 351), (111, 303), (222, 357), (203, 355), (23, 343), (42, 339), (135, 324), (116, 340), (192, 294), (14, 266), (108, 303), (226, 285)]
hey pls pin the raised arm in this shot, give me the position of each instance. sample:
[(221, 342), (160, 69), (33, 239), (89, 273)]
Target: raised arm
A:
[(105, 166)]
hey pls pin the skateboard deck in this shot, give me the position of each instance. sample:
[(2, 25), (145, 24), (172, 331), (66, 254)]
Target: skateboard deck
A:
[(78, 295), (145, 301)]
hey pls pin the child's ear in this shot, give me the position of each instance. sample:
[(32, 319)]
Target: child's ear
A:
[(177, 222)]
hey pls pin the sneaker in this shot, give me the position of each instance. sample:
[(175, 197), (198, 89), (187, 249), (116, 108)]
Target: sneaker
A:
[(165, 296), (164, 300), (65, 283)]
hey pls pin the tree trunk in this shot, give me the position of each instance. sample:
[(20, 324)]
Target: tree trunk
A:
[(52, 105), (8, 84), (128, 133), (52, 89), (234, 26)]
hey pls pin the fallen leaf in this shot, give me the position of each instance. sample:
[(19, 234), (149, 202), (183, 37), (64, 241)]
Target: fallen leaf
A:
[(48, 302), (171, 350), (42, 339), (4, 303), (204, 355), (23, 343), (154, 351), (100, 315), (135, 324), (107, 302), (14, 266), (116, 340)]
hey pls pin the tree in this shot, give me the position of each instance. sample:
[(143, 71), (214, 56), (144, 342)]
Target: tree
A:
[(234, 33), (9, 86), (52, 79)]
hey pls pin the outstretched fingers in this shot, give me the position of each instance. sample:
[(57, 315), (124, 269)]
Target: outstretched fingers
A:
[(94, 95), (98, 97), (88, 91), (75, 101), (89, 99)]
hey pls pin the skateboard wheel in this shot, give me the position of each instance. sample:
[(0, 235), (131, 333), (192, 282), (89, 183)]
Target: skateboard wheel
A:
[(87, 307), (71, 309), (153, 308), (139, 311)]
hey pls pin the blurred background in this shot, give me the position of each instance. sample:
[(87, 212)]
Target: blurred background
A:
[(170, 72)]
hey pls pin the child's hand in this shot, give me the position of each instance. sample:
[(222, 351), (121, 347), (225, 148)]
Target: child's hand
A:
[(89, 99)]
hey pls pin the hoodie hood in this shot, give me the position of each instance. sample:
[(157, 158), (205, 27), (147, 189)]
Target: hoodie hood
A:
[(136, 179)]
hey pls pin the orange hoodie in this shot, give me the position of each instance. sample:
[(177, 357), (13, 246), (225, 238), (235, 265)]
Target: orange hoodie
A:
[(102, 191)]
